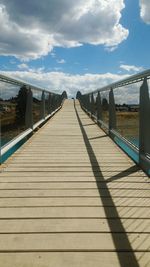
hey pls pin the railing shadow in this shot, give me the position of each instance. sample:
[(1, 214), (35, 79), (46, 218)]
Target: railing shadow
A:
[(123, 174), (98, 137), (132, 261), (89, 124)]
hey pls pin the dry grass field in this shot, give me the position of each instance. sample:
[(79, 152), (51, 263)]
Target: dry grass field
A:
[(127, 124)]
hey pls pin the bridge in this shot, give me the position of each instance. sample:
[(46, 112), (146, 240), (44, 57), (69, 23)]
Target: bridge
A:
[(74, 183)]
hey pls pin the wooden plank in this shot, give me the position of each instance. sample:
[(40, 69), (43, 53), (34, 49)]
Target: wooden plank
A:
[(74, 201), (74, 242), (75, 193), (124, 176), (104, 171), (73, 225), (74, 259), (74, 185), (73, 212), (68, 164)]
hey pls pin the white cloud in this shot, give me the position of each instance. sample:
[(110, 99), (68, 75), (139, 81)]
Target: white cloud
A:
[(131, 68), (12, 61), (61, 61), (145, 10), (53, 55), (57, 69), (111, 49), (58, 81), (30, 29), (23, 66), (24, 43)]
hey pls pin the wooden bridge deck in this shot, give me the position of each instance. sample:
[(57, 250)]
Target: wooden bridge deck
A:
[(69, 197)]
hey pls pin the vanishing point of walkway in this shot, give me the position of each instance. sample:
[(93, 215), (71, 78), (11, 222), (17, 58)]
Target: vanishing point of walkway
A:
[(69, 197)]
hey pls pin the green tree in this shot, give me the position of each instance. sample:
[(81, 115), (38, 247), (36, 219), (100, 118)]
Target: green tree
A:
[(105, 104), (21, 105)]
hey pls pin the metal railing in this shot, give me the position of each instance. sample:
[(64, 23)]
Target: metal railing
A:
[(23, 108), (122, 109)]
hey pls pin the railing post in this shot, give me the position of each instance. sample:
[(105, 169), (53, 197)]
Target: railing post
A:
[(53, 103), (49, 104), (43, 105), (82, 101), (59, 101), (79, 97), (99, 107), (56, 102), (92, 109), (112, 112), (144, 126), (86, 102), (29, 110)]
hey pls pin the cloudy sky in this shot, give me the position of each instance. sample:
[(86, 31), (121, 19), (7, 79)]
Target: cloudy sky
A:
[(74, 45)]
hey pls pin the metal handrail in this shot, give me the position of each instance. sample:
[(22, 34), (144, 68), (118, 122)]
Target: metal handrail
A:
[(93, 107), (130, 80), (7, 79), (54, 104)]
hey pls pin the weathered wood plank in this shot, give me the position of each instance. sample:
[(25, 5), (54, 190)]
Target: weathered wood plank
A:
[(73, 212), (75, 185), (75, 192), (74, 242), (80, 259), (73, 225), (74, 201)]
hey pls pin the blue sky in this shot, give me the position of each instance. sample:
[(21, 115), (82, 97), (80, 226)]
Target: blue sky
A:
[(92, 44)]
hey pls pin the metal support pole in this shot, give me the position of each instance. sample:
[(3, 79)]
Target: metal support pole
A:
[(84, 101), (92, 109), (52, 103), (59, 101), (88, 102), (144, 126), (29, 110), (99, 107), (81, 100), (49, 104), (43, 106), (55, 102), (112, 112)]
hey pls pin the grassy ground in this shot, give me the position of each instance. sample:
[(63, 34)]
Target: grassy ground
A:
[(9, 128), (127, 124)]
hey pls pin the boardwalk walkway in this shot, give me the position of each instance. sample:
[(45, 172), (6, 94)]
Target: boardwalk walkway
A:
[(69, 197)]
